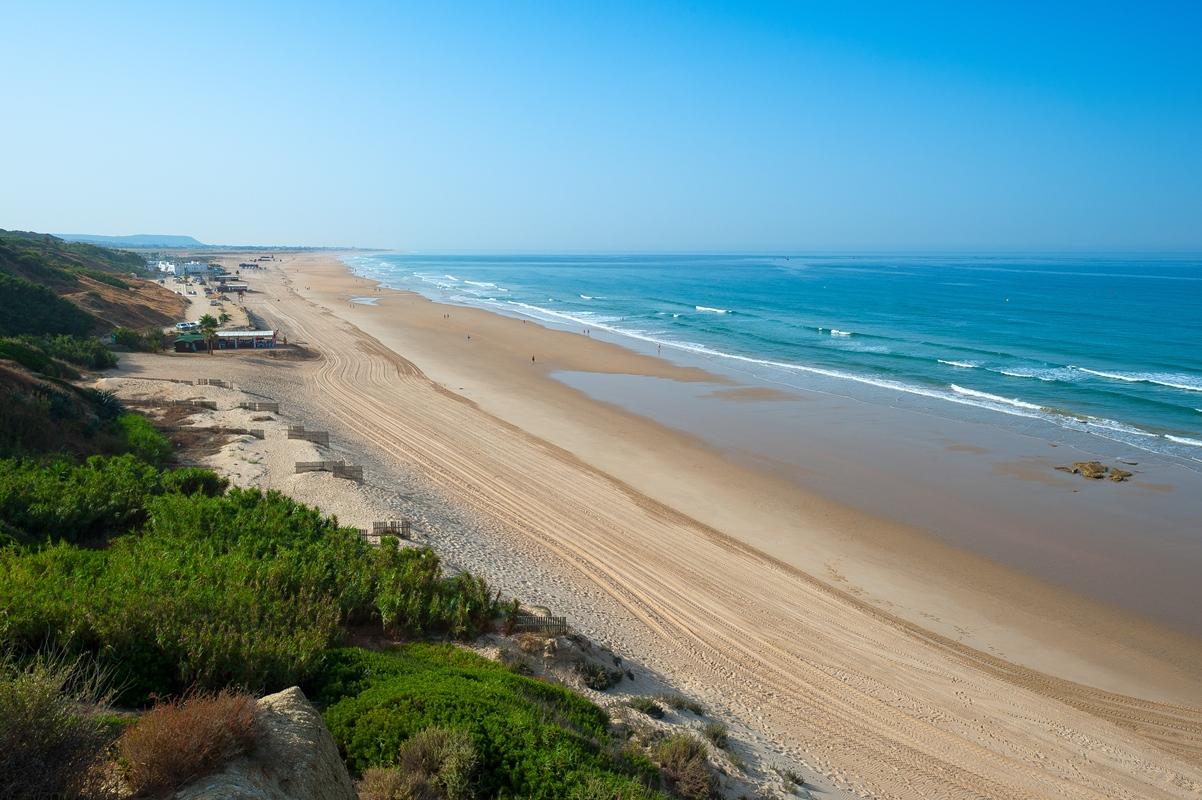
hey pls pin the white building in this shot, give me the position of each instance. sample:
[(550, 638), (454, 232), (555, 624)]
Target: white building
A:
[(192, 268)]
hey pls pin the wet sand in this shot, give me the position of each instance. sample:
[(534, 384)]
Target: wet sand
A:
[(885, 659)]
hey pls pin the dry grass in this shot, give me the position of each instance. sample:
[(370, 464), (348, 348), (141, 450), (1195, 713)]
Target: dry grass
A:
[(181, 740), (684, 762), (53, 734), (436, 764)]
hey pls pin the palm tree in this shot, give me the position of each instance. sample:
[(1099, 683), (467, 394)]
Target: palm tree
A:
[(223, 317), (208, 327)]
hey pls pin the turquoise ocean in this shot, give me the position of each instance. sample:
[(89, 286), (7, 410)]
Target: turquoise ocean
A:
[(1099, 346)]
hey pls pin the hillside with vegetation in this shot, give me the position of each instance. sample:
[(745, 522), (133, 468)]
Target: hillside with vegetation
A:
[(48, 285)]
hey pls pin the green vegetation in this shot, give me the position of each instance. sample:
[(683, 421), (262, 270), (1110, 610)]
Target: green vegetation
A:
[(43, 415), (682, 703), (29, 308), (151, 340), (42, 258), (50, 355), (717, 733), (200, 587), (647, 706), (528, 738), (683, 761)]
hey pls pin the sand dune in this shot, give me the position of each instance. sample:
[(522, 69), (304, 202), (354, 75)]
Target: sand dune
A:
[(879, 705)]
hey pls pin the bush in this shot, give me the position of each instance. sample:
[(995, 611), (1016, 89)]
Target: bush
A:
[(435, 763), (716, 732), (202, 589), (682, 703), (683, 760), (52, 728), (91, 502), (142, 438), (531, 739), (178, 741), (151, 340), (596, 676), (647, 706)]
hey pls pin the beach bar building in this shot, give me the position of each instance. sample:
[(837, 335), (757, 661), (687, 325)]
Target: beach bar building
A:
[(236, 340), (190, 343)]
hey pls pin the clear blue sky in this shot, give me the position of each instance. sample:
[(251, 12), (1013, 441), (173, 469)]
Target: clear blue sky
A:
[(615, 126)]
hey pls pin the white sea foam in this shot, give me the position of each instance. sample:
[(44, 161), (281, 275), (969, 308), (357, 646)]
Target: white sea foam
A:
[(450, 277), (993, 398), (710, 310), (1183, 440), (837, 332), (1048, 374), (1186, 383), (586, 297), (482, 284), (960, 364)]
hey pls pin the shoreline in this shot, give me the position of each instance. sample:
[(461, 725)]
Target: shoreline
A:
[(831, 641), (876, 556)]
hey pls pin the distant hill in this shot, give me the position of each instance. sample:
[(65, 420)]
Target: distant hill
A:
[(137, 240)]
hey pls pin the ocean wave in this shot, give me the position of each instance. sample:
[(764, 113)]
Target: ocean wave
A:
[(450, 277), (711, 310), (1045, 374), (837, 332), (960, 364), (586, 297), (993, 398), (1186, 383), (482, 284), (1183, 440)]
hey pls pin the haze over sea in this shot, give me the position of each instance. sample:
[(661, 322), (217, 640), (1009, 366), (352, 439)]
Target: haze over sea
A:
[(1109, 347)]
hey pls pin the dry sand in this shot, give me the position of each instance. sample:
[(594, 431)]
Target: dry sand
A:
[(885, 663)]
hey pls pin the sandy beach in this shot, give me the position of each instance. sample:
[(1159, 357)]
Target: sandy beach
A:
[(879, 659)]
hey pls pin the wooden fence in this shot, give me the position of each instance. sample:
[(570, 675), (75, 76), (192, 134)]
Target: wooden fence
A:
[(213, 382), (340, 469), (317, 437), (273, 407), (255, 432), (537, 623), (209, 404), (400, 528)]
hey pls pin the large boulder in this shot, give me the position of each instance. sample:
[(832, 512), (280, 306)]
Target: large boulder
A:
[(295, 759)]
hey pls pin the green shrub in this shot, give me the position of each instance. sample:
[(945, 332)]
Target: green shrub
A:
[(202, 589), (52, 728), (531, 739), (435, 763), (716, 732), (683, 760), (94, 501), (151, 340), (142, 439), (647, 706), (596, 676), (682, 703)]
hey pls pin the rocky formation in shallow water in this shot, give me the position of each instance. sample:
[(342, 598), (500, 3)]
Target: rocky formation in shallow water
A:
[(1096, 470), (294, 759)]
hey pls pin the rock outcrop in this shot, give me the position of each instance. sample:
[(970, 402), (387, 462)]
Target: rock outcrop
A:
[(295, 759), (1096, 470)]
